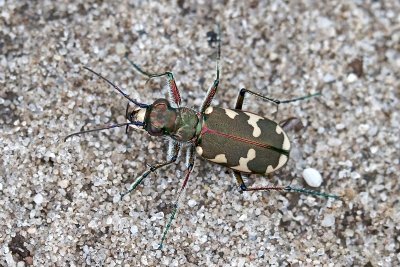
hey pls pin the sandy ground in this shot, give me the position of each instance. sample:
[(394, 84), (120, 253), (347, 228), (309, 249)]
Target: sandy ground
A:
[(60, 203)]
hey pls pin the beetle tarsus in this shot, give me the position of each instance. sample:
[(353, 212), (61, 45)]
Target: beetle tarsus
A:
[(310, 192)]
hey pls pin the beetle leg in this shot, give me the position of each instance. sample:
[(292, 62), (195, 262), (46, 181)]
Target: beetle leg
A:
[(213, 89), (173, 152), (288, 188), (190, 158), (243, 91), (290, 124), (240, 181), (172, 88)]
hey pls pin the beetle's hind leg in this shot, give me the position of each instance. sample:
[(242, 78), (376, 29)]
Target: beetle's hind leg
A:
[(172, 87), (190, 158), (243, 91), (174, 148), (288, 188)]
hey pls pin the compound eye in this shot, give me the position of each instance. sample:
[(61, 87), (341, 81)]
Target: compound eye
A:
[(154, 130), (161, 101)]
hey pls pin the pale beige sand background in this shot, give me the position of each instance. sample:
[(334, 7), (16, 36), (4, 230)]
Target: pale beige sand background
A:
[(63, 197)]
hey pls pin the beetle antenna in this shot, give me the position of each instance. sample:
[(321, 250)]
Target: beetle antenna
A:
[(137, 123), (118, 89)]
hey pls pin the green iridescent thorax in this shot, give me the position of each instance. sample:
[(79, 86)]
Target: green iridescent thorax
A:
[(186, 123), (179, 123)]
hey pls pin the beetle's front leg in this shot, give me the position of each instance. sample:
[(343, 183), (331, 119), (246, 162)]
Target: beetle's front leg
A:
[(173, 152), (190, 158), (173, 90)]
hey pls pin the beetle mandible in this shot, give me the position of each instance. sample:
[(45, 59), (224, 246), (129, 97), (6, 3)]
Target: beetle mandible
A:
[(262, 147)]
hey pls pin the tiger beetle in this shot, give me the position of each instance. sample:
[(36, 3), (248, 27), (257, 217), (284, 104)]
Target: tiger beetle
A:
[(240, 140)]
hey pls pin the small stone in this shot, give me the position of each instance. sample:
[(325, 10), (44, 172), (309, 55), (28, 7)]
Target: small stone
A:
[(374, 149), (120, 49), (363, 128), (243, 217), (241, 262), (320, 252), (38, 199), (192, 203), (49, 154), (334, 142), (328, 78), (312, 177), (63, 51), (355, 175), (63, 183), (364, 198), (328, 220), (151, 145), (349, 232), (31, 230), (351, 78), (29, 260), (340, 126), (350, 193), (273, 57), (134, 230)]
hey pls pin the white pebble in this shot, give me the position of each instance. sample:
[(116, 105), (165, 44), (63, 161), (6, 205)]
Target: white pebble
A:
[(340, 126), (38, 199), (120, 48), (328, 78), (134, 230), (273, 56), (31, 230), (241, 262), (192, 203), (334, 142), (349, 232), (63, 183), (50, 154), (351, 78), (243, 217), (63, 51), (312, 177), (328, 220), (355, 175)]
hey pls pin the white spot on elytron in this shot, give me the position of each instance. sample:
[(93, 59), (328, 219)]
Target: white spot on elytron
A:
[(220, 158), (208, 110), (278, 129), (199, 150), (242, 167), (282, 161), (230, 113), (286, 141), (253, 119)]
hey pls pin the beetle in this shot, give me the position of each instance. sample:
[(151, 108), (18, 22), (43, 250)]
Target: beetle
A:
[(240, 140)]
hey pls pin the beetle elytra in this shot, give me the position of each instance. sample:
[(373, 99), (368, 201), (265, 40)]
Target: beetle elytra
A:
[(240, 140)]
